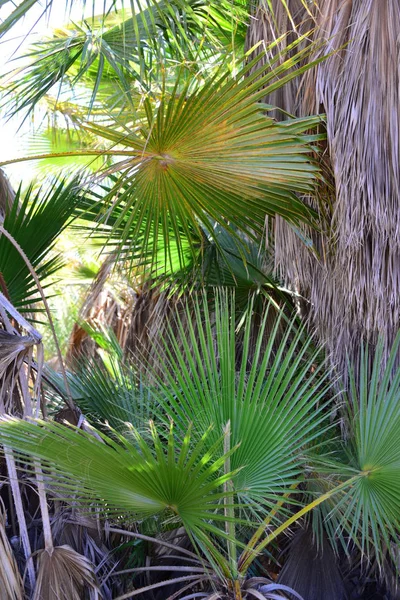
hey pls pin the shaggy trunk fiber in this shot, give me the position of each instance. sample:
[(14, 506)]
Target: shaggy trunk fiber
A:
[(354, 284), (7, 195)]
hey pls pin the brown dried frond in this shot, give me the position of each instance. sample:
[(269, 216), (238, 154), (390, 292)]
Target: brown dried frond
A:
[(11, 348), (108, 304), (11, 587), (84, 533), (14, 350), (63, 574), (267, 26), (7, 195), (353, 286)]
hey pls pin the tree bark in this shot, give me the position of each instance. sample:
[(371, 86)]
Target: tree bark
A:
[(353, 281)]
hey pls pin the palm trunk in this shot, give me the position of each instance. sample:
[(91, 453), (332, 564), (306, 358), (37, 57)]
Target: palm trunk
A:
[(354, 285)]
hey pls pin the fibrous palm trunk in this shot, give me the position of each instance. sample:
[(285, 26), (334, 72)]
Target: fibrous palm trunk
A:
[(354, 284)]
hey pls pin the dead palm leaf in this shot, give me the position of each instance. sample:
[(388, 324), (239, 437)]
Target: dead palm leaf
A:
[(63, 574), (354, 290), (7, 195), (284, 22), (14, 350), (11, 587)]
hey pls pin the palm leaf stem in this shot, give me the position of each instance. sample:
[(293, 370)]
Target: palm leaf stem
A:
[(153, 540), (249, 556), (88, 152), (6, 305), (194, 579), (44, 509), (19, 509), (168, 568), (259, 532)]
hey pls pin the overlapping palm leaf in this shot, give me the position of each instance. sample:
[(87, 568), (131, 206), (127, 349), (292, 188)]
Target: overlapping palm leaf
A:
[(273, 394), (137, 478), (231, 262), (132, 44), (369, 511), (212, 156), (366, 513), (55, 140), (146, 254), (35, 221)]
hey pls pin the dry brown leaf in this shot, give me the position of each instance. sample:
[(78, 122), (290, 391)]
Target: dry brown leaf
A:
[(11, 587), (64, 574), (353, 288)]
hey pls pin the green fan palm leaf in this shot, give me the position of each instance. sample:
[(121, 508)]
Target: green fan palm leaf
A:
[(210, 157), (35, 221), (370, 510), (137, 478), (274, 394)]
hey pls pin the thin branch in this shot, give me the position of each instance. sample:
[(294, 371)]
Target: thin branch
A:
[(168, 569), (161, 584), (69, 154), (146, 538), (19, 508)]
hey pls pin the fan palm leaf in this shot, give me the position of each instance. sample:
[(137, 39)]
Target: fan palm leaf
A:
[(212, 156), (35, 220), (273, 395), (274, 402), (131, 44), (370, 510), (243, 265), (64, 574), (272, 392), (134, 478)]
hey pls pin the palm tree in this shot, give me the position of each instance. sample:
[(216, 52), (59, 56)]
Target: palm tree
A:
[(352, 281), (236, 456), (185, 146), (194, 163)]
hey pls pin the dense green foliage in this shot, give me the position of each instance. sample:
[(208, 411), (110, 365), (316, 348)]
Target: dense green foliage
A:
[(195, 402)]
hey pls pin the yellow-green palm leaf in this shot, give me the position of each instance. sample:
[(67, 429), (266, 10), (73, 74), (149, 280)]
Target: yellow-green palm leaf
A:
[(209, 156)]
